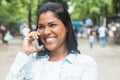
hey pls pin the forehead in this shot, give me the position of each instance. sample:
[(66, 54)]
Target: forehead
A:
[(48, 14), (48, 17)]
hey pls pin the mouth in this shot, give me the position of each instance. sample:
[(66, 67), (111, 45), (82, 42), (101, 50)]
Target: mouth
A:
[(49, 40)]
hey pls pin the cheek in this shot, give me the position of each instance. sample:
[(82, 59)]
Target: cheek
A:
[(62, 33)]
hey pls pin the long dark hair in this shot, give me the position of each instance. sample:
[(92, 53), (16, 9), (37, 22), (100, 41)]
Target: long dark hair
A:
[(62, 14)]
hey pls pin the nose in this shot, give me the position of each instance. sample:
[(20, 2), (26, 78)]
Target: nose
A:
[(47, 31)]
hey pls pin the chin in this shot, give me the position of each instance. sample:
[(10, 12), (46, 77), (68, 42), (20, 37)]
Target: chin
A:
[(50, 48)]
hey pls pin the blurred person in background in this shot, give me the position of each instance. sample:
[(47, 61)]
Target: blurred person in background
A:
[(33, 27), (25, 31), (8, 36), (92, 34), (57, 57), (102, 35), (3, 31)]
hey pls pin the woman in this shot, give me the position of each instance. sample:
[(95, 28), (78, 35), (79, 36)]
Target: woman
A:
[(57, 57)]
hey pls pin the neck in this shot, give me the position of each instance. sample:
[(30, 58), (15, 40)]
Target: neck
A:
[(58, 54)]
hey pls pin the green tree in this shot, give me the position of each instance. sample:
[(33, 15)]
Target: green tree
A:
[(116, 6), (92, 8), (21, 11)]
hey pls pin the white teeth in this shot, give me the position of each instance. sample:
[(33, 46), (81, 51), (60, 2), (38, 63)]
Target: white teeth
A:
[(50, 39)]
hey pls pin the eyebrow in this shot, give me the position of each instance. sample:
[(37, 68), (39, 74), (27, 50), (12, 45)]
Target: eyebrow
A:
[(48, 23), (52, 22)]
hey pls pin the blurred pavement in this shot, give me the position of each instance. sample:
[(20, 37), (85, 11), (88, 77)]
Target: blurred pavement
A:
[(107, 58)]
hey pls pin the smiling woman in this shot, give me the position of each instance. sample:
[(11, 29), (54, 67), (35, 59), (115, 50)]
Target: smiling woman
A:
[(52, 32), (60, 59)]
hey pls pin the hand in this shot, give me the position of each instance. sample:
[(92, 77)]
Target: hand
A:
[(27, 46)]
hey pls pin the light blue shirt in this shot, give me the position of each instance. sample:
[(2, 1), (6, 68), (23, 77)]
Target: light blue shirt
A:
[(72, 67)]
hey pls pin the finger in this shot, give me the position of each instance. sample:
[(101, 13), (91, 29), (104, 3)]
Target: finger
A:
[(36, 34), (40, 48), (30, 38), (35, 49), (33, 35)]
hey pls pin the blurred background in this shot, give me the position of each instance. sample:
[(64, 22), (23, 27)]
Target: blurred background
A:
[(18, 18)]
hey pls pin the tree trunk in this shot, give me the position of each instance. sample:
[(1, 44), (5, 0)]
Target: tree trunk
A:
[(29, 17), (106, 14)]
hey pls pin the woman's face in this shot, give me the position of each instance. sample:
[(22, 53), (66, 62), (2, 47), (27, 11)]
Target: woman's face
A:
[(52, 31)]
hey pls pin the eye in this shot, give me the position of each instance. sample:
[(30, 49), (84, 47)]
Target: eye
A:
[(52, 25), (41, 27)]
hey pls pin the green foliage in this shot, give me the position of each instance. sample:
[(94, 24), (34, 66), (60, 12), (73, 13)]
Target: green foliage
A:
[(94, 8), (14, 12)]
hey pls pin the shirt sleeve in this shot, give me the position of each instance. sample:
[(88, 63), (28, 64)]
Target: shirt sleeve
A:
[(90, 72), (15, 70)]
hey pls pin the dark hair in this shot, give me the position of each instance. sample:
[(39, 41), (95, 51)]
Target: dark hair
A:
[(62, 14)]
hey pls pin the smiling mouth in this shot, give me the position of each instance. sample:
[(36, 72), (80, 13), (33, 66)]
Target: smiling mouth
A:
[(50, 40)]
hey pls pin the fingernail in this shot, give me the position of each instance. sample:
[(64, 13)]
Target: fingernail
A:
[(41, 47)]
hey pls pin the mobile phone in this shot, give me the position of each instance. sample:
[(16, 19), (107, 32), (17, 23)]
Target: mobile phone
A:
[(39, 42)]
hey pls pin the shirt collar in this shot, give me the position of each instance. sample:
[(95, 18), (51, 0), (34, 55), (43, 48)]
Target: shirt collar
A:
[(71, 58)]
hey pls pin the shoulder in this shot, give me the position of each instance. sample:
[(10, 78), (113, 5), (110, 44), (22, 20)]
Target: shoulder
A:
[(86, 59)]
